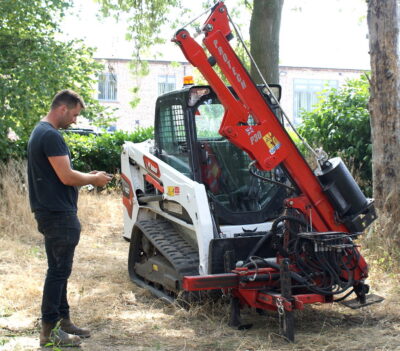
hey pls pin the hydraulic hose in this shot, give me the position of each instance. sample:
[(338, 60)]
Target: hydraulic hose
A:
[(322, 264), (272, 232)]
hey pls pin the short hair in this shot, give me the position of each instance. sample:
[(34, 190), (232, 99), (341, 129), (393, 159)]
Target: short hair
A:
[(67, 97)]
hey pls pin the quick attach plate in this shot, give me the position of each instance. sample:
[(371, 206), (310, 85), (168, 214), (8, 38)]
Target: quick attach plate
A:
[(370, 300)]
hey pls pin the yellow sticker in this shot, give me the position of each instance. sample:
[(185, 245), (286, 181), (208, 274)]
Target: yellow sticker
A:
[(272, 142), (171, 191), (155, 267)]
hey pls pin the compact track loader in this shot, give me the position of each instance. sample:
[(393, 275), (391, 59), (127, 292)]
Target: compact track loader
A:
[(223, 200)]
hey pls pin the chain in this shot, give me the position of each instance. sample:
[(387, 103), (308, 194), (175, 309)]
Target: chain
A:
[(279, 305), (253, 278), (281, 311)]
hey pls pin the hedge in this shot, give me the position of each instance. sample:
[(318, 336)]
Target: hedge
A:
[(340, 124), (102, 152)]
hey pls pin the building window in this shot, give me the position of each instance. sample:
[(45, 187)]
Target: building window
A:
[(166, 84), (306, 92), (108, 87)]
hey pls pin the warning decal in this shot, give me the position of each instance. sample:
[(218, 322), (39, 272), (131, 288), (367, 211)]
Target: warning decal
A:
[(173, 190), (272, 142)]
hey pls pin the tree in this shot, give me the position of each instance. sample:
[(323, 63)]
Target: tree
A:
[(384, 105), (264, 38), (34, 66)]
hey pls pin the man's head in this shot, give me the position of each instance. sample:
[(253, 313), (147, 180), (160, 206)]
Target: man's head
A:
[(67, 97), (66, 106)]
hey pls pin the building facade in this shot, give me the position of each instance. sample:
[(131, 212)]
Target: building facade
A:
[(301, 87), (117, 84)]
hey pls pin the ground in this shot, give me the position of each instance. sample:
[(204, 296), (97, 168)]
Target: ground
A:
[(125, 317)]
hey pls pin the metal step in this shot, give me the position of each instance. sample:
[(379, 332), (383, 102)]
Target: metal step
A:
[(355, 303)]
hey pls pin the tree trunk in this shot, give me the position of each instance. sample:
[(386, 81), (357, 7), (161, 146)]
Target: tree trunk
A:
[(384, 105), (264, 38)]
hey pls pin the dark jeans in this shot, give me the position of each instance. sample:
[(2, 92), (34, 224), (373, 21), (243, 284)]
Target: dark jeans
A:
[(61, 235)]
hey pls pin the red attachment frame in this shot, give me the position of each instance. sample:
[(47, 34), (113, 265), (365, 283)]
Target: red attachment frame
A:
[(252, 293)]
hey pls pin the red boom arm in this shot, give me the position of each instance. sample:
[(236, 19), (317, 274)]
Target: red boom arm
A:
[(267, 142)]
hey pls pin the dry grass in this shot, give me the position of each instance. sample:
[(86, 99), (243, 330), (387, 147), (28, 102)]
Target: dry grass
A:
[(383, 242), (124, 317)]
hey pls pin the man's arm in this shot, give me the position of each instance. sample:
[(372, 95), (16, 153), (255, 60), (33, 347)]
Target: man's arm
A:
[(68, 176)]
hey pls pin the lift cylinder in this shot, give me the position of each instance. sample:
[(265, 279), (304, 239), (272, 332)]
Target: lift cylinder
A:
[(341, 188)]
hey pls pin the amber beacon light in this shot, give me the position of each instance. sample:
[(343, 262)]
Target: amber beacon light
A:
[(188, 80)]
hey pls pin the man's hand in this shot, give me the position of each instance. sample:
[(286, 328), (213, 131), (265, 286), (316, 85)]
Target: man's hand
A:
[(68, 176), (101, 178)]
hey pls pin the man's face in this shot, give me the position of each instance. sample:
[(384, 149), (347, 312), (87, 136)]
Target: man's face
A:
[(69, 116)]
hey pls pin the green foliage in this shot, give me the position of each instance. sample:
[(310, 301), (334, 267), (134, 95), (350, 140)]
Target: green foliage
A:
[(146, 20), (34, 66), (3, 342), (102, 152), (340, 124)]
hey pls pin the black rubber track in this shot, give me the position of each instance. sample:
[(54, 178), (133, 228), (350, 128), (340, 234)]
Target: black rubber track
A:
[(182, 256), (179, 253)]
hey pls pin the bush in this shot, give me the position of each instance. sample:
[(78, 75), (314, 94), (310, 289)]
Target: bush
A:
[(102, 152), (340, 124)]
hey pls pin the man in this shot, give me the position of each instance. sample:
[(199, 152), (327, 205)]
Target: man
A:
[(53, 196)]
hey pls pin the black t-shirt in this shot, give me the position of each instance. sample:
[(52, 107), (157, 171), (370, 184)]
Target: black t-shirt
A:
[(47, 194)]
